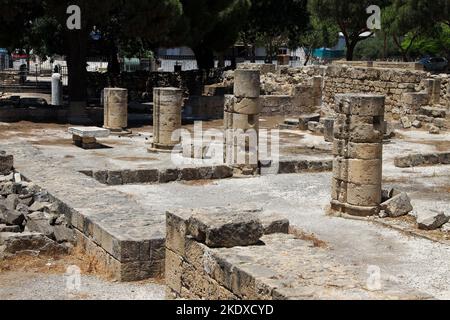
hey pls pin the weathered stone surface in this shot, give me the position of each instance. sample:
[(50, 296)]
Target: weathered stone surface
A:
[(406, 122), (12, 201), (14, 218), (40, 224), (6, 163), (10, 187), (431, 220), (12, 229), (417, 124), (63, 234), (398, 206), (222, 227), (306, 118), (416, 160), (433, 112), (27, 241), (39, 206), (434, 130), (89, 132), (247, 83), (360, 104)]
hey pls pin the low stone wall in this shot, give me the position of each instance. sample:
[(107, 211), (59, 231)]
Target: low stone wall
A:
[(228, 254), (417, 160), (406, 89), (160, 176), (155, 176), (382, 64)]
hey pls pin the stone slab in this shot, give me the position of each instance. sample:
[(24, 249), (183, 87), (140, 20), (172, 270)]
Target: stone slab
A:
[(89, 132)]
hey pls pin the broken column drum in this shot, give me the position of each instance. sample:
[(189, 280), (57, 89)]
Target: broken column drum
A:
[(167, 106), (358, 152), (241, 122), (115, 109)]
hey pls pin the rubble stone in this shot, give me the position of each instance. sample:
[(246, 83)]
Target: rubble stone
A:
[(397, 206), (431, 220)]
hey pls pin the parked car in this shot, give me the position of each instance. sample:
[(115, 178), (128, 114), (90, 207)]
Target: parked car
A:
[(435, 64)]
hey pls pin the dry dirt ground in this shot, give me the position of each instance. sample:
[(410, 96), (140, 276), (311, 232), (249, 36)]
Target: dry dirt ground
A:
[(52, 278)]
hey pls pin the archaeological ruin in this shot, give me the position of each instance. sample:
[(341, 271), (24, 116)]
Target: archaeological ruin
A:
[(320, 175)]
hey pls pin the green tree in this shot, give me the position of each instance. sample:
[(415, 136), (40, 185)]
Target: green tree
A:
[(435, 42), (209, 26), (349, 16), (275, 23), (319, 34), (409, 21), (119, 22)]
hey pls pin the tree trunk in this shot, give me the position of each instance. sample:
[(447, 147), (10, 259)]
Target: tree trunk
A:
[(113, 65), (221, 63), (351, 50), (253, 55), (204, 57), (77, 75)]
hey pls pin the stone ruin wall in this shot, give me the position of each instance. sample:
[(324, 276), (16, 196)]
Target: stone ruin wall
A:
[(279, 85)]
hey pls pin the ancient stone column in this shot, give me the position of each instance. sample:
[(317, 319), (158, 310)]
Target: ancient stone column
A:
[(358, 151), (57, 90), (241, 122), (167, 105), (115, 101)]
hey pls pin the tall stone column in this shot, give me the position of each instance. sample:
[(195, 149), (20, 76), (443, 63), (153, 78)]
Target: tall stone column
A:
[(241, 122), (167, 105), (115, 101), (358, 152)]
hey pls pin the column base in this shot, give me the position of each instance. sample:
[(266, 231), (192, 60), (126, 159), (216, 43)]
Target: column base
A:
[(119, 132), (352, 210), (163, 148)]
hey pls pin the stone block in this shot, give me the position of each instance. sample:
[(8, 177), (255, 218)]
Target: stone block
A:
[(397, 206), (305, 119), (364, 151), (225, 228), (27, 241), (173, 271), (364, 172), (364, 195), (247, 83), (431, 220), (360, 104), (339, 190), (248, 106), (176, 231), (6, 163)]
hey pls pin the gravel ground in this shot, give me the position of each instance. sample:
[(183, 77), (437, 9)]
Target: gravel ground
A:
[(35, 286)]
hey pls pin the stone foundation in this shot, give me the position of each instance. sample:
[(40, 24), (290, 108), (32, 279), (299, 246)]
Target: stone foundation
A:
[(199, 266)]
